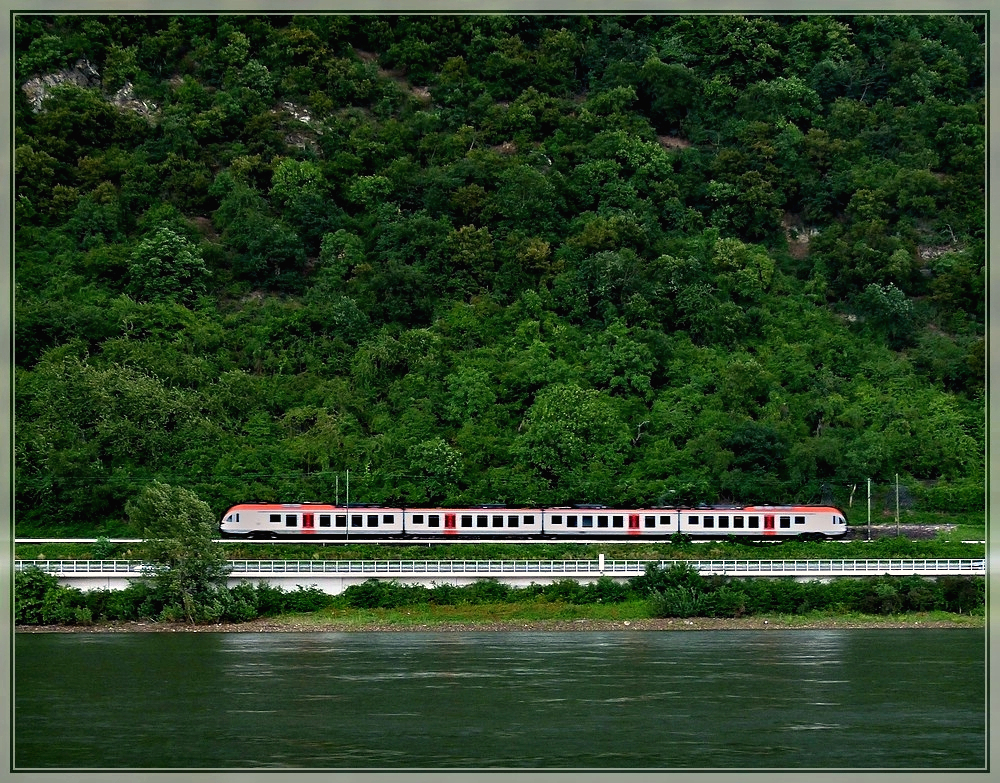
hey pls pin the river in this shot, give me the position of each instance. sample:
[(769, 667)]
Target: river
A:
[(780, 699)]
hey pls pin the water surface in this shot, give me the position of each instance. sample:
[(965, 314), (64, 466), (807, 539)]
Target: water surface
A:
[(861, 699)]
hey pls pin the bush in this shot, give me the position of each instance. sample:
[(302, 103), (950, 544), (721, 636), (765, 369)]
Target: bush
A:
[(240, 603), (269, 600), (882, 598), (657, 579), (443, 595), (960, 495), (920, 595), (135, 602), (726, 601), (376, 594), (677, 602), (566, 590), (60, 604), (30, 589), (486, 591), (963, 594), (605, 591), (307, 599)]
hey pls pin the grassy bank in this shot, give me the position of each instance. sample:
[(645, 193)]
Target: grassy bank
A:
[(633, 612), (542, 616)]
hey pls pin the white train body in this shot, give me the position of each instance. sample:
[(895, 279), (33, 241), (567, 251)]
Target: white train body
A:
[(370, 523)]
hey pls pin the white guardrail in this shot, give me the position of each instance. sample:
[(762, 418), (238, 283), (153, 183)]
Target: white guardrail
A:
[(569, 568)]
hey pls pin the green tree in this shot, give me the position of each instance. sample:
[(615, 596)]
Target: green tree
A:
[(166, 266), (188, 568)]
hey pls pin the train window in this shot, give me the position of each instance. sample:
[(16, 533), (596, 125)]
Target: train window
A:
[(275, 519), (467, 520), (418, 519), (602, 521), (709, 521), (617, 521), (650, 521), (737, 521), (324, 520), (356, 520), (570, 521), (753, 522), (557, 520), (784, 521), (723, 521), (587, 521), (512, 521), (290, 520), (664, 520), (434, 520), (800, 520), (692, 520), (341, 520), (388, 519), (482, 520), (373, 520), (498, 521), (529, 519)]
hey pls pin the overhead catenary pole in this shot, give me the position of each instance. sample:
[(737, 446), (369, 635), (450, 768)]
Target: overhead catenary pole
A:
[(869, 509), (897, 505), (347, 509)]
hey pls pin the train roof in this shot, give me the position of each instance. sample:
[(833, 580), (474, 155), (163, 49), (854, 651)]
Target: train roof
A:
[(264, 506)]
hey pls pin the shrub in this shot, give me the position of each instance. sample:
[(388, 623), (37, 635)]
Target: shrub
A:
[(605, 591), (726, 601), (963, 594), (566, 590), (240, 603), (60, 604), (443, 595), (882, 598), (920, 595), (376, 594), (486, 591), (30, 589), (103, 549), (677, 602), (657, 579), (307, 599), (269, 600), (137, 601)]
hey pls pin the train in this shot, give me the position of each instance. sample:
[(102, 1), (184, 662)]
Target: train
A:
[(375, 523)]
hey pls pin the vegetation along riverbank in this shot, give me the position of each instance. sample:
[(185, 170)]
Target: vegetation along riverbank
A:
[(663, 598)]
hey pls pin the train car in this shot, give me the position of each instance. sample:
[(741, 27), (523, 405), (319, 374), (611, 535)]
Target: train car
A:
[(311, 520), (480, 522), (768, 522), (494, 522)]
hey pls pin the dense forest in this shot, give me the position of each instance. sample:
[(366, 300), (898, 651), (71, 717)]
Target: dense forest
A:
[(474, 259)]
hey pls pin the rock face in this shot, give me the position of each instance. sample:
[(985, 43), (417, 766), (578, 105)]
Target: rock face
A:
[(125, 100), (86, 76), (83, 74)]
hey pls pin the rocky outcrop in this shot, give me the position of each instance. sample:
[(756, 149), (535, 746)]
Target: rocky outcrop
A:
[(86, 76), (83, 74)]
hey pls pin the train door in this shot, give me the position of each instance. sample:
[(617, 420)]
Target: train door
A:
[(769, 524), (449, 525), (633, 525), (308, 525)]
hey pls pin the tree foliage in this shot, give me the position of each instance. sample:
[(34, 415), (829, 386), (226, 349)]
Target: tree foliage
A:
[(177, 530), (496, 258)]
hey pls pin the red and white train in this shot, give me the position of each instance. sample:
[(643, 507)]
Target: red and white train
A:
[(370, 523)]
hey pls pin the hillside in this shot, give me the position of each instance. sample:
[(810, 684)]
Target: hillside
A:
[(520, 259)]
